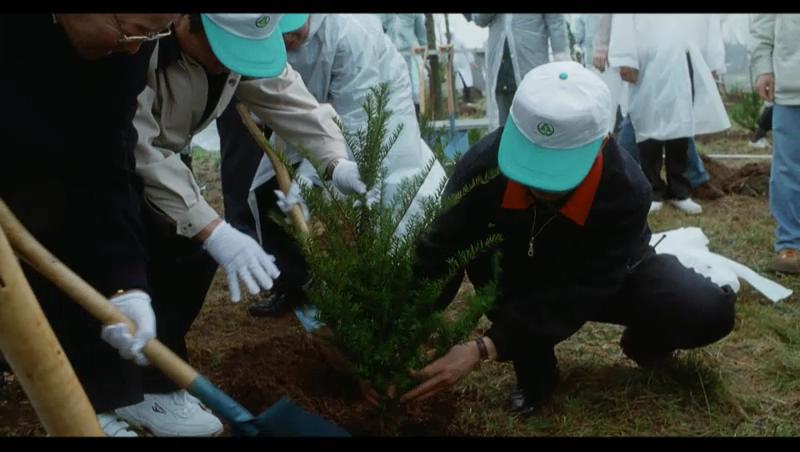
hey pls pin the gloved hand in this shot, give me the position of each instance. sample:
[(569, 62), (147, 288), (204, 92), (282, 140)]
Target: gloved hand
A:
[(287, 201), (242, 258), (373, 196), (136, 306), (346, 178)]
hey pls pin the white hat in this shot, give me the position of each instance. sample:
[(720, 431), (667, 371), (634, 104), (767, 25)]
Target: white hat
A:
[(250, 44), (557, 122)]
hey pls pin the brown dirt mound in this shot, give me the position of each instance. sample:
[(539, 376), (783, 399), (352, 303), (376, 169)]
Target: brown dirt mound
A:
[(294, 366), (17, 417), (751, 179)]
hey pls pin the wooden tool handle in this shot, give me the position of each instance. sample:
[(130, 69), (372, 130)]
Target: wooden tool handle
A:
[(37, 359), (281, 173), (32, 252), (448, 49)]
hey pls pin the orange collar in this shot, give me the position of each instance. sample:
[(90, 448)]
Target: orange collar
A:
[(517, 196)]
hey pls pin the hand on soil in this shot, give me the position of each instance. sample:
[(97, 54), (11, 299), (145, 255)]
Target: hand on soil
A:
[(372, 396), (443, 373)]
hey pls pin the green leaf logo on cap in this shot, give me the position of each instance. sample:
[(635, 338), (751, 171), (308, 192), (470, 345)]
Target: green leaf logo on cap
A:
[(262, 21), (545, 129)]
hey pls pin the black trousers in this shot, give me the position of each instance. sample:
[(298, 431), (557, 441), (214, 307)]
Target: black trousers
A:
[(664, 305), (651, 156), (277, 241), (66, 218), (109, 381), (180, 273), (239, 161), (764, 124)]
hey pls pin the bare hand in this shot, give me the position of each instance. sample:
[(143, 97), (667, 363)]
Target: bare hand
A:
[(629, 74), (765, 86), (372, 396), (444, 372), (599, 60)]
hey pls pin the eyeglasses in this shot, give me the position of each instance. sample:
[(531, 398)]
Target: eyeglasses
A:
[(126, 39)]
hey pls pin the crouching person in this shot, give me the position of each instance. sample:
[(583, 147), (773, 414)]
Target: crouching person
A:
[(572, 209)]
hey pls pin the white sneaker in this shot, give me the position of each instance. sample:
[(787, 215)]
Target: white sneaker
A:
[(173, 414), (761, 143), (114, 426), (655, 206), (687, 206)]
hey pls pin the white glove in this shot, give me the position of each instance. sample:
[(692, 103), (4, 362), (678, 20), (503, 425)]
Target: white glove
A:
[(136, 306), (242, 258), (373, 196), (287, 201), (346, 179), (307, 175)]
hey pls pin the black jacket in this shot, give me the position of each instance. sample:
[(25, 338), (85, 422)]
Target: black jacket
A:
[(574, 267), (67, 163)]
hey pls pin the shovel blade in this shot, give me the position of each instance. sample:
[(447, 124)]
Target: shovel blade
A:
[(287, 419)]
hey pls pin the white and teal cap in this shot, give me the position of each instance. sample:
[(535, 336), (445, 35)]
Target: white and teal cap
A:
[(250, 44), (292, 22), (555, 127)]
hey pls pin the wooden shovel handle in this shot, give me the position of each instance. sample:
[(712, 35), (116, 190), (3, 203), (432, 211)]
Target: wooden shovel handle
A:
[(281, 173), (31, 348), (448, 50), (32, 252)]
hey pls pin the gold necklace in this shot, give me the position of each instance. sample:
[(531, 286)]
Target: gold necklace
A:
[(533, 228)]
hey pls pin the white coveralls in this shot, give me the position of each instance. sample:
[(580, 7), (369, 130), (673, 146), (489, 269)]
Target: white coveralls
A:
[(339, 63), (527, 36), (661, 105)]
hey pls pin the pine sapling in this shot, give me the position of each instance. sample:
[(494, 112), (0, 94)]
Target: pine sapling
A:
[(383, 315)]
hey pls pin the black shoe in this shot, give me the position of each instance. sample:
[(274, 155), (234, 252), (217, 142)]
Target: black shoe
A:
[(524, 402), (274, 304), (644, 357)]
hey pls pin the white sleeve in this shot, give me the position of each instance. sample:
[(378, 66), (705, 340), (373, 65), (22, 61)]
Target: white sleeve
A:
[(622, 49)]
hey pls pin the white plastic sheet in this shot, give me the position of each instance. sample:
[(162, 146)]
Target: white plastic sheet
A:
[(690, 246)]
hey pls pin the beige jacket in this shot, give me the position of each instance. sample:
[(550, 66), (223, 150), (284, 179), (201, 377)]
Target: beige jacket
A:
[(169, 113), (775, 48)]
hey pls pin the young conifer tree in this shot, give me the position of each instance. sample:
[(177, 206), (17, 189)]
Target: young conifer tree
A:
[(747, 110), (381, 313)]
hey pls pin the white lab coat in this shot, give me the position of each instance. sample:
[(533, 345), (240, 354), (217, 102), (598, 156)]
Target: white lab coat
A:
[(372, 22), (527, 36), (592, 32), (661, 105), (339, 63)]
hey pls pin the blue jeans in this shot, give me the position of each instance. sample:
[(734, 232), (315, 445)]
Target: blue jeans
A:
[(784, 181), (697, 174)]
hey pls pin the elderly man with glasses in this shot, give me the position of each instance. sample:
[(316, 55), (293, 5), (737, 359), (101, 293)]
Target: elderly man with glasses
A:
[(69, 95)]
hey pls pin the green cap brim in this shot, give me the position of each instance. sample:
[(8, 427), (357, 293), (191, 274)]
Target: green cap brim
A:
[(249, 57), (554, 170), (292, 22)]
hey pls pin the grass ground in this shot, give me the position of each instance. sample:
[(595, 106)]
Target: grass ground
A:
[(747, 384)]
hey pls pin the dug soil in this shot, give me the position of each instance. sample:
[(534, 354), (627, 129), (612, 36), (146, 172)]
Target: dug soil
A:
[(293, 364)]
